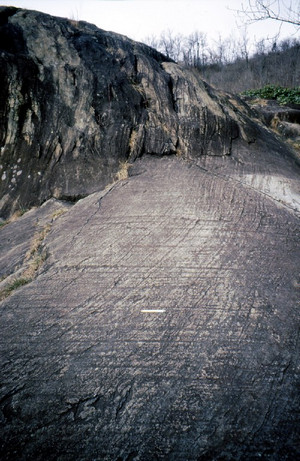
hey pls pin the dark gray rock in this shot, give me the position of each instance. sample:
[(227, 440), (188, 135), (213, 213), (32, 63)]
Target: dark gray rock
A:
[(75, 101), (159, 320), (17, 237), (164, 323), (284, 120), (270, 110)]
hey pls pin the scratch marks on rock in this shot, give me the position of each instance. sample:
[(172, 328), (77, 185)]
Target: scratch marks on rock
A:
[(165, 327)]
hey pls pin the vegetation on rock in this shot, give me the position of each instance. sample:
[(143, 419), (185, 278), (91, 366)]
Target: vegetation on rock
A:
[(278, 93)]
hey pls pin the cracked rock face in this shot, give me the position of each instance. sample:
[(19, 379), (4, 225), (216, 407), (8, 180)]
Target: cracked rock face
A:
[(75, 101)]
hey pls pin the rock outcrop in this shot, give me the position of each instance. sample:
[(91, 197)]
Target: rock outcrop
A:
[(154, 319), (76, 101), (163, 324), (284, 120)]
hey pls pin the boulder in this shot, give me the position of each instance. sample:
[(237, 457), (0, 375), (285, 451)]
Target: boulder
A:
[(76, 102), (283, 119)]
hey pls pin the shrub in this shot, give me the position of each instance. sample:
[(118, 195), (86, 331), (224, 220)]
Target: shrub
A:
[(279, 93)]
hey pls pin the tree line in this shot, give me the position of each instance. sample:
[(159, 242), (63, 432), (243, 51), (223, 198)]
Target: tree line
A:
[(234, 64)]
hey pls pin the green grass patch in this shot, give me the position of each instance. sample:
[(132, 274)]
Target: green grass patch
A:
[(278, 93), (17, 283)]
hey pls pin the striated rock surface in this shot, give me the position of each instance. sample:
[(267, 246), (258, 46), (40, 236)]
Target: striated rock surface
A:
[(75, 101), (164, 322), (155, 319)]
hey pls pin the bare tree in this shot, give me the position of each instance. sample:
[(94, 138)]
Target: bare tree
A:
[(171, 45), (152, 41), (261, 47), (234, 63), (226, 50), (195, 49), (284, 11), (244, 46)]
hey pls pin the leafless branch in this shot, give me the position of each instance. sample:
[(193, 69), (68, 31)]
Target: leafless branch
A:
[(284, 11)]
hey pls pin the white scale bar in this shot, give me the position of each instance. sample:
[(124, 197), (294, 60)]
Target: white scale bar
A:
[(153, 310)]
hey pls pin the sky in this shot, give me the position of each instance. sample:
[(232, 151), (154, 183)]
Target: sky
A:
[(139, 19)]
